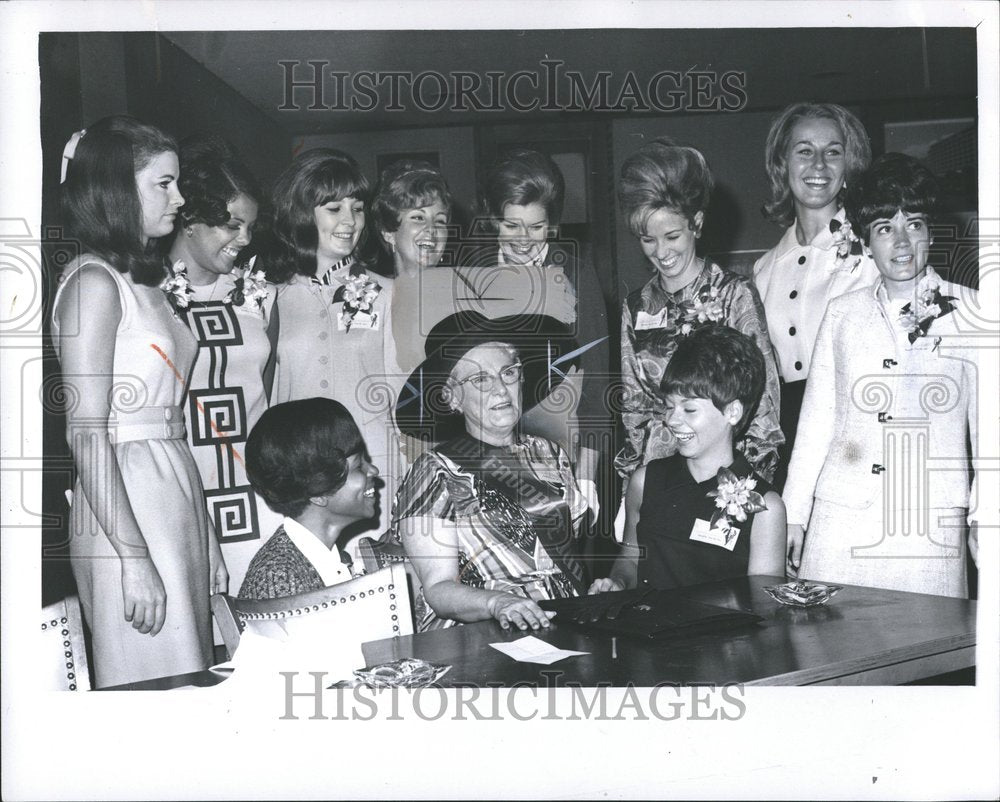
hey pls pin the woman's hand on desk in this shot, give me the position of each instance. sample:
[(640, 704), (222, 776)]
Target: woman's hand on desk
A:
[(523, 613), (605, 585)]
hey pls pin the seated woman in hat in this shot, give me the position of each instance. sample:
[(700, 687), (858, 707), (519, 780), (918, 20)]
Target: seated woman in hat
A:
[(308, 461), (488, 517)]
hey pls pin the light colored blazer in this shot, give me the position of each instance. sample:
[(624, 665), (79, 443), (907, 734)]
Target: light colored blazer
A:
[(884, 420), (796, 282)]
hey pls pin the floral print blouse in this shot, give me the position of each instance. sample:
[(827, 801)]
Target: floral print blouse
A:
[(653, 321)]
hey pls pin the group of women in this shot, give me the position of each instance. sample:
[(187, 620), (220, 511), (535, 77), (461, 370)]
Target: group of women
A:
[(480, 393)]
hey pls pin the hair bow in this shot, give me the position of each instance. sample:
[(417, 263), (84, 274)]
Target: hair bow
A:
[(69, 152)]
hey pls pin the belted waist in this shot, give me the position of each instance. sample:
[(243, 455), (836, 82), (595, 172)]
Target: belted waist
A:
[(149, 423)]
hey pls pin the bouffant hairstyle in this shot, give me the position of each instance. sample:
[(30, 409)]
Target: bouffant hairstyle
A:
[(663, 175), (300, 449), (895, 182), (520, 178), (315, 178), (721, 364), (212, 176), (780, 208), (101, 208), (403, 185)]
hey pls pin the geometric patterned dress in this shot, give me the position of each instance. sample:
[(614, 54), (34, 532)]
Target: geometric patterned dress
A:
[(225, 399)]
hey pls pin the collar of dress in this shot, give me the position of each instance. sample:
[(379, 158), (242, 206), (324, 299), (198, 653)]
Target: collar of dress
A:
[(823, 241), (653, 294)]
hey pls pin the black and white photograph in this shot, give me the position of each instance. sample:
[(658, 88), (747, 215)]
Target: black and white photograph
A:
[(443, 400)]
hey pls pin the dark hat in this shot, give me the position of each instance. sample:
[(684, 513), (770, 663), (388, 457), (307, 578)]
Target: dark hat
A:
[(546, 349)]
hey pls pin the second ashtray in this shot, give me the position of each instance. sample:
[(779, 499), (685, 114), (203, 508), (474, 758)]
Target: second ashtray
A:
[(802, 594)]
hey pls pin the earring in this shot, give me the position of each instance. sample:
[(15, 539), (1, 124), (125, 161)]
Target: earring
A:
[(189, 231)]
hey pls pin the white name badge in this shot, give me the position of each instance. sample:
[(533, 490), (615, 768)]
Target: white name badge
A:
[(645, 321), (361, 320), (722, 536)]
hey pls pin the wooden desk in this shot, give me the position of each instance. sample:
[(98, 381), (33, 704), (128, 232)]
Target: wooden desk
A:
[(200, 679), (863, 636)]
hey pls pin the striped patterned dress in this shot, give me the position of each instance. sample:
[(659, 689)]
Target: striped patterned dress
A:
[(498, 548)]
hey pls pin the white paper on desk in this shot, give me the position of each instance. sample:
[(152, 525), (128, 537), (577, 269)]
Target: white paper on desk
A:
[(530, 649)]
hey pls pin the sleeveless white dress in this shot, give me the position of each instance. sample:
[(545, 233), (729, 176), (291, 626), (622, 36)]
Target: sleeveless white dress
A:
[(154, 352)]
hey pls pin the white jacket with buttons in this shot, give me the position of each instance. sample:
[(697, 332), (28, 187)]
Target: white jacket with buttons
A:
[(886, 424)]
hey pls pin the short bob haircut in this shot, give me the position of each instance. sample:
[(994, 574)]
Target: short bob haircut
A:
[(857, 153), (663, 175), (520, 178), (298, 450), (721, 364), (404, 185), (212, 177), (101, 208), (895, 182), (315, 178)]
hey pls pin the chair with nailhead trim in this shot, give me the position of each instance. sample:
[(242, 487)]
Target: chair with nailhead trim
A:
[(63, 645), (378, 603), (377, 554)]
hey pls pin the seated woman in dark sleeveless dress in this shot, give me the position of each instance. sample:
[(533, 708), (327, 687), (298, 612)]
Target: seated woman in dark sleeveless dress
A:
[(702, 514)]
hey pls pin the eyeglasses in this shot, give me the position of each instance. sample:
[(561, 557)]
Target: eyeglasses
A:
[(486, 382)]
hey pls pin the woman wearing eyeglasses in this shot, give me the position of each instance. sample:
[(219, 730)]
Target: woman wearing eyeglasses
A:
[(488, 516)]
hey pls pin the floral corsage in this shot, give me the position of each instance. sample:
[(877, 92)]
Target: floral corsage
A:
[(930, 305), (358, 294), (247, 283), (706, 307), (735, 499), (847, 242), (177, 286)]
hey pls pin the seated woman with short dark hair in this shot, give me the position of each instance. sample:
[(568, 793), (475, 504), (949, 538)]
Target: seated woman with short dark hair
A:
[(308, 461)]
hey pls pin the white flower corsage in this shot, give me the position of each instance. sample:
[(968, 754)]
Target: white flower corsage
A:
[(848, 243), (916, 318), (247, 283), (358, 294), (735, 499), (177, 286), (706, 307)]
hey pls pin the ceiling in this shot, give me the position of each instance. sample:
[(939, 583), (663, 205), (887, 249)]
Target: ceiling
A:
[(779, 65)]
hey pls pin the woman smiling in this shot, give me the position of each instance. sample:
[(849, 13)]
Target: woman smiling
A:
[(335, 341), (307, 460), (231, 313), (813, 152), (664, 192), (488, 517)]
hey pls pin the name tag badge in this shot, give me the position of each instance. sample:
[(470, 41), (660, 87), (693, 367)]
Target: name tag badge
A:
[(361, 320), (722, 536), (645, 321)]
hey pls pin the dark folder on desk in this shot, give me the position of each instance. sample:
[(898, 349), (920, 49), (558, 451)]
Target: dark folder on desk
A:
[(646, 614)]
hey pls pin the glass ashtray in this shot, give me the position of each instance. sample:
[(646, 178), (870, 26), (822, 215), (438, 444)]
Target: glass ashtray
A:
[(802, 594), (409, 672)]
